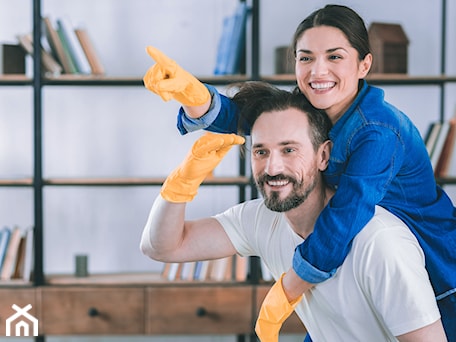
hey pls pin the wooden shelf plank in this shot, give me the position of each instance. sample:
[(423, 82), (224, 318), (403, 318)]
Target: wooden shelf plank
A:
[(139, 181)]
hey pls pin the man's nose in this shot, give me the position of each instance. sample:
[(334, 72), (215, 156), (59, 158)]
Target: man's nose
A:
[(275, 164)]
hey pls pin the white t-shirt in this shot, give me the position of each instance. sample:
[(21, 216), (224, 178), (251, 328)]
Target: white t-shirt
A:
[(382, 289)]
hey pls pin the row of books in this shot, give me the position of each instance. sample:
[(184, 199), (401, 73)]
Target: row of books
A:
[(440, 140), (224, 269), (65, 49), (231, 44), (16, 253), (235, 268)]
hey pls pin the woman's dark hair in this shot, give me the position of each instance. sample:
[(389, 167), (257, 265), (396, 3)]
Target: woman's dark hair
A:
[(341, 17), (255, 98)]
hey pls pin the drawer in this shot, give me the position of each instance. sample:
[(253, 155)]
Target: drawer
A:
[(21, 297), (292, 325), (92, 310), (199, 310)]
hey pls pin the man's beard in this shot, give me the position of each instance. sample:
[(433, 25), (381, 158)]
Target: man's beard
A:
[(297, 196)]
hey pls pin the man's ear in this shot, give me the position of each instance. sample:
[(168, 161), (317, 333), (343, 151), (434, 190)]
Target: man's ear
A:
[(324, 152)]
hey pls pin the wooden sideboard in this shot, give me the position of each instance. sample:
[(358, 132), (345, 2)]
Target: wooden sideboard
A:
[(104, 306)]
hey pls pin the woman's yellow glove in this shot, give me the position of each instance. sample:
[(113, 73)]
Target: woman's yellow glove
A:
[(207, 152), (274, 311), (170, 81)]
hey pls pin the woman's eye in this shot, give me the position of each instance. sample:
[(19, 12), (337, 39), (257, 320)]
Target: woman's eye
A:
[(333, 57), (303, 58)]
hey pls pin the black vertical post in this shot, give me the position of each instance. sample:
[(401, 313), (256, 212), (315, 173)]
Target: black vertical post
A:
[(255, 58), (37, 148), (443, 60)]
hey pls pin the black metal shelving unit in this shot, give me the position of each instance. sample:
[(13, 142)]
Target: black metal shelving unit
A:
[(38, 182)]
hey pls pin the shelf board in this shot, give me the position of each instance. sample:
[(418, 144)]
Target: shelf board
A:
[(128, 279), (375, 79), (16, 182), (156, 181), (284, 79), (93, 80), (15, 79)]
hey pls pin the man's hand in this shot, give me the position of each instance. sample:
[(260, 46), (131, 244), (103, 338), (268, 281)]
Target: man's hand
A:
[(170, 81), (207, 152), (274, 311)]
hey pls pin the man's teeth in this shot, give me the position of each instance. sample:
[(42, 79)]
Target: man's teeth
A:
[(278, 183), (321, 86)]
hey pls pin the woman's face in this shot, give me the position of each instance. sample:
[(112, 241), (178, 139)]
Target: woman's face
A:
[(328, 69)]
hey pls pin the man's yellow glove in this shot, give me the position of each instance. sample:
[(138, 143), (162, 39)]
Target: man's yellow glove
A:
[(207, 152), (170, 81), (274, 311)]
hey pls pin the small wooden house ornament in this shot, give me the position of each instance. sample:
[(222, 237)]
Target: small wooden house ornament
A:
[(389, 45)]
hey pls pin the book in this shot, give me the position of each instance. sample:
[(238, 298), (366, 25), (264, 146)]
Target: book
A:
[(221, 269), (50, 66), (174, 271), (67, 51), (203, 270), (266, 274), (443, 163), (12, 59), (237, 41), (74, 46), (438, 147), (57, 47), (19, 264), (11, 254), (90, 51), (223, 46), (231, 42), (188, 270), (5, 235), (431, 136), (28, 262)]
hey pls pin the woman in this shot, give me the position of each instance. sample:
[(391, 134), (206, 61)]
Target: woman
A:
[(378, 157)]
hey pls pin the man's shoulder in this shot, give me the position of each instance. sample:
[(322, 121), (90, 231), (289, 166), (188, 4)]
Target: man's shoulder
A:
[(383, 228)]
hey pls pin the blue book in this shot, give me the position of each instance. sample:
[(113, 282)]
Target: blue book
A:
[(237, 41), (224, 46), (5, 235)]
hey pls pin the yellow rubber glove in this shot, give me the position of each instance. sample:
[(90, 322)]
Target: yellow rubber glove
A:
[(274, 311), (207, 152), (170, 81)]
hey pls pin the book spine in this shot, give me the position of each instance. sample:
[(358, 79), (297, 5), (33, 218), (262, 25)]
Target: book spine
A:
[(74, 47)]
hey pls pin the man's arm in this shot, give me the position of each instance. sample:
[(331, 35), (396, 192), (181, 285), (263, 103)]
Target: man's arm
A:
[(168, 237), (431, 333)]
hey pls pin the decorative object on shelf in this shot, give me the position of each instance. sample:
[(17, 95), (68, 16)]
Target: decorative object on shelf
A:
[(389, 45), (284, 60), (12, 59), (81, 265)]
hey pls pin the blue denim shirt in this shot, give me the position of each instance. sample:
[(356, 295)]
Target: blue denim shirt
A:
[(378, 158)]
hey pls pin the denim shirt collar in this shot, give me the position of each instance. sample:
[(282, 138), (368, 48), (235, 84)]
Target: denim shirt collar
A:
[(338, 126)]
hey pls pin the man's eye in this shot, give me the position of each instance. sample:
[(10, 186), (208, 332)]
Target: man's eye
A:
[(289, 150), (260, 152)]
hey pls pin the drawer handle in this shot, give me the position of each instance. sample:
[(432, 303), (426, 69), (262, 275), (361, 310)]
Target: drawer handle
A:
[(201, 312), (93, 312)]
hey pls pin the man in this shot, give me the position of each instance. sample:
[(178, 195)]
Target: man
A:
[(380, 293)]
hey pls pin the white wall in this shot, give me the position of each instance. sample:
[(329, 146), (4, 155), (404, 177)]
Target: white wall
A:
[(127, 131)]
